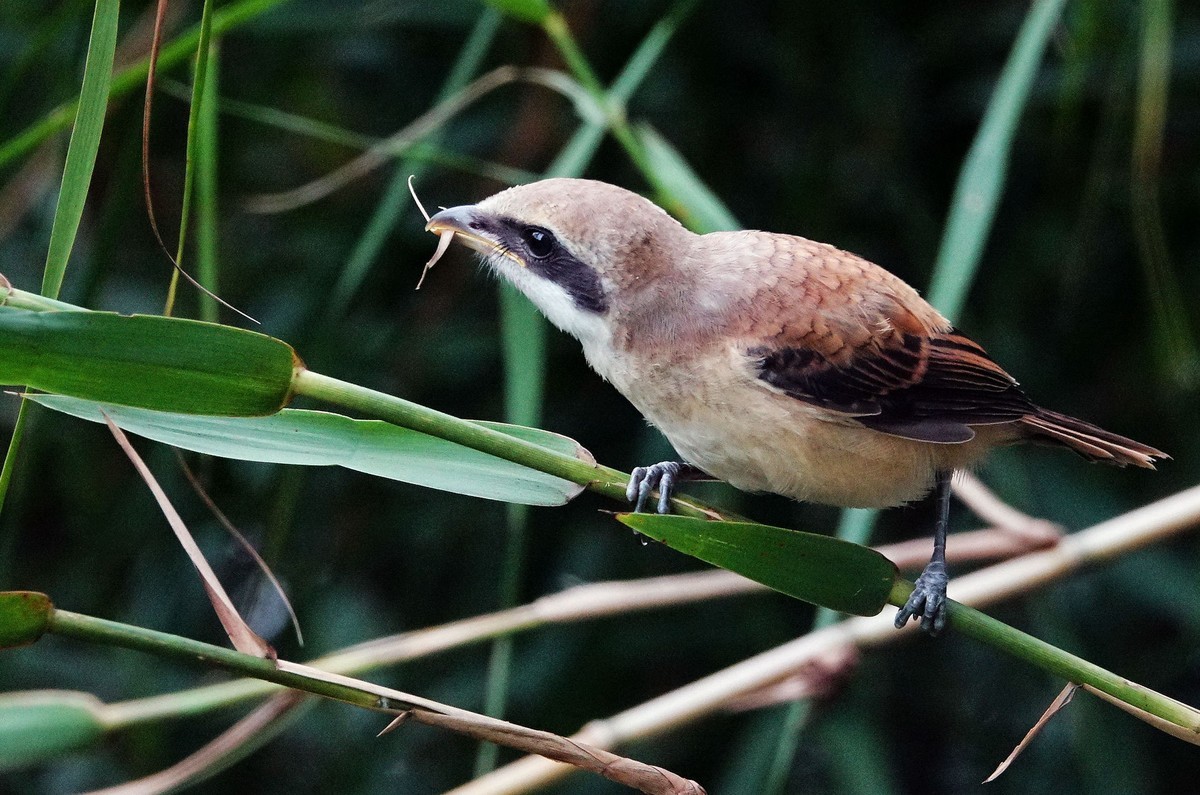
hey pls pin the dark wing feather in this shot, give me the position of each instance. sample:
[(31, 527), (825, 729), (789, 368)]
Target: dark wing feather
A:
[(929, 388)]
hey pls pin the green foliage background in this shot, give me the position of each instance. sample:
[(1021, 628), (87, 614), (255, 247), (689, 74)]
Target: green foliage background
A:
[(846, 123)]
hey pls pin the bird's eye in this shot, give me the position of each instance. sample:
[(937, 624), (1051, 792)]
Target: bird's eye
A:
[(540, 242)]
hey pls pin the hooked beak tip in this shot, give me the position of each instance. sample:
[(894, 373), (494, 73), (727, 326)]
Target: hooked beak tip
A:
[(453, 219)]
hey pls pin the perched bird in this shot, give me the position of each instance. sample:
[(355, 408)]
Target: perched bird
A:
[(769, 361)]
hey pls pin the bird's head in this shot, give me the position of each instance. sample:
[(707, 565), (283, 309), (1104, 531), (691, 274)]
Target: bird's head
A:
[(584, 252)]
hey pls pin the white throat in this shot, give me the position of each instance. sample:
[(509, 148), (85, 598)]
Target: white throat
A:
[(556, 304)]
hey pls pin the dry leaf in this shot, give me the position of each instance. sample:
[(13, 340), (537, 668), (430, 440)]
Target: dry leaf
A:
[(243, 638), (1061, 701)]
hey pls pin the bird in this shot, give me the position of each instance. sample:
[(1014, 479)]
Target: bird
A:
[(770, 361)]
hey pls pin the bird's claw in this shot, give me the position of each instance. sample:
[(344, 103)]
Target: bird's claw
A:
[(927, 602), (661, 477)]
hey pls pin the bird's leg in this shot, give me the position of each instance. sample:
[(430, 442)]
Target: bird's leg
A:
[(661, 477), (928, 599)]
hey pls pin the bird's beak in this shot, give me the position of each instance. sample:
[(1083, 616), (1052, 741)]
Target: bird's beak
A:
[(471, 225)]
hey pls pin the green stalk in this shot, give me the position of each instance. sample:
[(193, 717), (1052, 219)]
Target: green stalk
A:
[(601, 479), (1054, 660), (21, 299), (596, 477), (162, 644), (524, 336), (555, 26), (610, 482), (207, 217), (192, 146)]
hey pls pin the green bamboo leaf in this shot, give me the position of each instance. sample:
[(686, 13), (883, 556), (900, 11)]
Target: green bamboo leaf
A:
[(532, 11), (152, 362), (706, 212), (319, 438), (824, 571), (40, 725), (24, 616)]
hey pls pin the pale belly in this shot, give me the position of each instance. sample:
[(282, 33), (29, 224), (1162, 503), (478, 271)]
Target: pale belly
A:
[(740, 431)]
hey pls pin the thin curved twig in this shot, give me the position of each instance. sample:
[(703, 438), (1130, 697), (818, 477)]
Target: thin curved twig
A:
[(398, 143)]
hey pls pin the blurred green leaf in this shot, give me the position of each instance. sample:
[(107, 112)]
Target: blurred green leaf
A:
[(40, 725), (1175, 351), (981, 180), (24, 616), (133, 76), (319, 438), (532, 11), (824, 571), (705, 211), (143, 360)]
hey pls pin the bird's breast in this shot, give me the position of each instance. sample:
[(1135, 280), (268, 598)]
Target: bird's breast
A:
[(732, 425)]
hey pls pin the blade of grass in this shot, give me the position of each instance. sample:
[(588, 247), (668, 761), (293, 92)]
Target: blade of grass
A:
[(77, 177), (523, 337), (207, 217), (575, 156), (708, 211), (981, 180), (203, 50), (147, 188), (815, 568), (555, 26), (85, 143)]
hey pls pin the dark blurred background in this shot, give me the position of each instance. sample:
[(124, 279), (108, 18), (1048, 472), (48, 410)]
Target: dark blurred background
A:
[(843, 122)]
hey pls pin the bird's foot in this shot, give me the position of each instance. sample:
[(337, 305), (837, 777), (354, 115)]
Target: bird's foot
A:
[(927, 602), (660, 477)]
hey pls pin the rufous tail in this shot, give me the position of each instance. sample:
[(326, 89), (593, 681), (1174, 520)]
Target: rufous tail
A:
[(1094, 444)]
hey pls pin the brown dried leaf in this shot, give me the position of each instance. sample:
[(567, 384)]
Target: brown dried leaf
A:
[(1061, 701), (623, 770), (243, 542), (641, 776), (1187, 735), (243, 638)]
